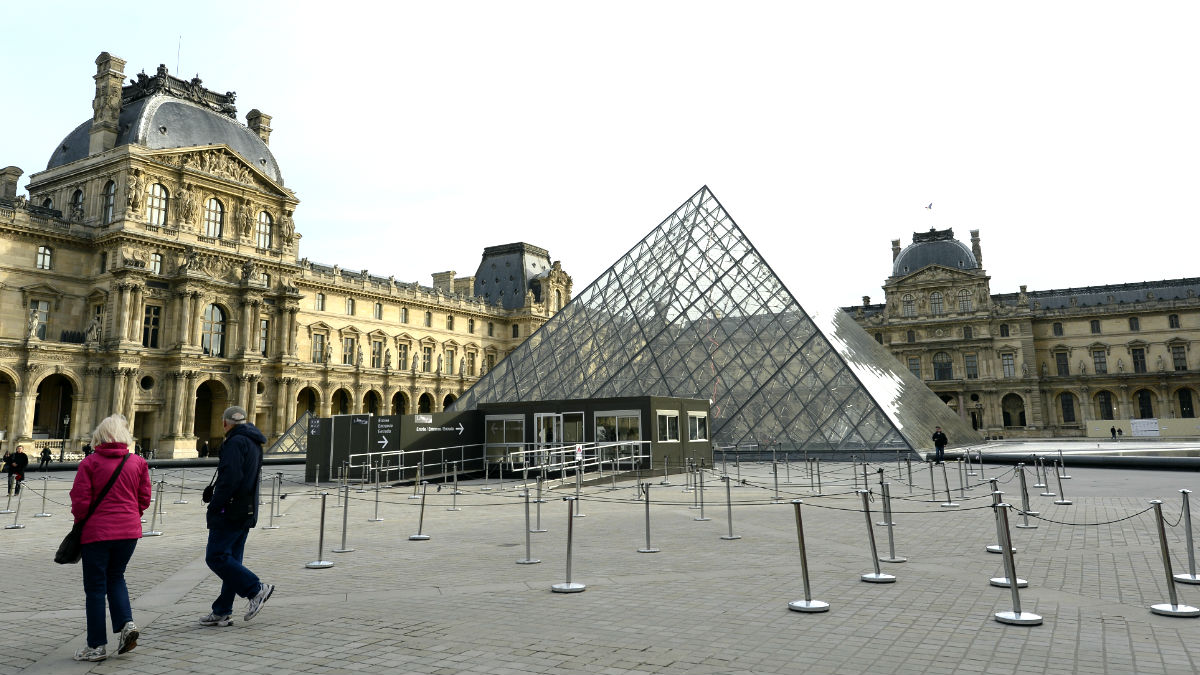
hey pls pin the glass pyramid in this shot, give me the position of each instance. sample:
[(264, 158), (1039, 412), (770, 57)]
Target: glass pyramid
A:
[(694, 311)]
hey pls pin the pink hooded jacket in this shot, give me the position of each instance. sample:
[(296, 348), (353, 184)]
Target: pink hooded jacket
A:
[(119, 515)]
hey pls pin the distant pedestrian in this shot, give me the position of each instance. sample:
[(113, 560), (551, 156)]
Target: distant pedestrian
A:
[(87, 450), (1113, 431), (15, 467), (110, 534), (1120, 432), (232, 512), (939, 444), (204, 449), (46, 457)]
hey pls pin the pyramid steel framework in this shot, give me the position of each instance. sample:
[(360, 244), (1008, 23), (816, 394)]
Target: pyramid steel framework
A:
[(694, 311)]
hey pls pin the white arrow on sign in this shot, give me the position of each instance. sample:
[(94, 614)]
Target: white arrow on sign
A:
[(460, 428), (383, 443)]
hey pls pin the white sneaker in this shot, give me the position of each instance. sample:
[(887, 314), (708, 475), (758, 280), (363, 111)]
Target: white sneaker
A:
[(260, 599), (129, 637), (91, 653), (214, 619)]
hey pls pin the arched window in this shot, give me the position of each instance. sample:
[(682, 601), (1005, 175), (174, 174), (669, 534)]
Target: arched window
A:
[(110, 202), (262, 233), (1145, 404), (77, 202), (1186, 408), (942, 368), (964, 300), (935, 303), (908, 305), (1067, 402), (1104, 405), (156, 205), (1003, 330), (156, 263), (212, 331), (214, 218), (45, 256), (47, 203), (350, 306)]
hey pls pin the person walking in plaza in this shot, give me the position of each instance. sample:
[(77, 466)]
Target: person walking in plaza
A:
[(45, 457), (15, 466), (232, 513), (110, 534), (939, 444)]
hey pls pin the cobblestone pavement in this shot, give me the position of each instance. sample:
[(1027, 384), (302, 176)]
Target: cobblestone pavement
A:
[(459, 603)]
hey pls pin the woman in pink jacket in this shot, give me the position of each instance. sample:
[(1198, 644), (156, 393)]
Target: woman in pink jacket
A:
[(111, 534)]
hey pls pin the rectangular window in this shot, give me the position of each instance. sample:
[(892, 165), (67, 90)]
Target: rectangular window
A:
[(668, 425), (1139, 359), (403, 315), (43, 257), (264, 335), (491, 330), (150, 326), (348, 351), (378, 311), (1100, 361), (376, 353), (426, 359), (1060, 362), (697, 427), (429, 319), (1009, 365), (450, 361), (42, 308), (491, 362), (914, 366), (104, 262), (319, 303), (971, 365), (1058, 329), (1134, 324), (1179, 357), (1173, 321), (1068, 411), (318, 348), (449, 322), (470, 364), (402, 357), (1095, 324)]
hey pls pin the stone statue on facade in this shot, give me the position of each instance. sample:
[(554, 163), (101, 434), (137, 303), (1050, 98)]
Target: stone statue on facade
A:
[(358, 358), (328, 353), (462, 367), (34, 322), (92, 334), (439, 363), (387, 360), (414, 363)]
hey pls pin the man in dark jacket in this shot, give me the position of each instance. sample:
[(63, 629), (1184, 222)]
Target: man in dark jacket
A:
[(232, 512), (15, 466), (939, 444)]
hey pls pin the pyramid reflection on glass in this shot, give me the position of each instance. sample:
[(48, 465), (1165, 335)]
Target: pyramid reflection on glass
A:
[(694, 311)]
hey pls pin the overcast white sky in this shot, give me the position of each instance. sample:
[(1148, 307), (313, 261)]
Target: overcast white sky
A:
[(416, 133)]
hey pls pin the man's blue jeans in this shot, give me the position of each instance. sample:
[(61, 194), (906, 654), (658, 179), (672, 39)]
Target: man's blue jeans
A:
[(224, 557), (104, 577)]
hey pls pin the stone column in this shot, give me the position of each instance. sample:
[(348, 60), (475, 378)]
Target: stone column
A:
[(137, 297), (130, 395), (280, 406), (121, 322), (189, 405), (243, 341), (85, 412), (182, 307), (326, 405), (197, 316), (177, 404), (13, 423), (118, 390)]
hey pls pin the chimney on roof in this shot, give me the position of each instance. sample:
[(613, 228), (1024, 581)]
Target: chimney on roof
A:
[(260, 124), (9, 176), (106, 106), (978, 252), (895, 249), (444, 282)]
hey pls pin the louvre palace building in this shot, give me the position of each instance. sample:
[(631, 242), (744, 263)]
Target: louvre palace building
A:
[(154, 270), (1066, 362)]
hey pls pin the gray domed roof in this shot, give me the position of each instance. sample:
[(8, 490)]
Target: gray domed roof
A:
[(161, 122), (936, 247)]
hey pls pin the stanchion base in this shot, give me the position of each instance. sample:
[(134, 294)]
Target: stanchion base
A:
[(731, 537), (1187, 578), (1003, 582), (1065, 477), (1167, 609), (580, 515), (808, 606), (418, 537), (897, 559), (319, 565), (152, 533), (528, 561), (342, 550), (693, 508), (1063, 502), (414, 496), (1039, 485), (883, 524), (180, 501), (1049, 494), (538, 530), (454, 508), (664, 482), (539, 501), (42, 515), (701, 519), (7, 511), (14, 527), (949, 505), (878, 578), (649, 550), (1026, 527), (1033, 513), (570, 587), (270, 527), (374, 520), (995, 548), (485, 489), (1019, 618)]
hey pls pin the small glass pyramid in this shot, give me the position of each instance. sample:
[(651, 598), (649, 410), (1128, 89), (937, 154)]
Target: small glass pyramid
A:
[(693, 310)]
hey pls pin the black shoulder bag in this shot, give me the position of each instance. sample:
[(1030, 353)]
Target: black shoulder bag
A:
[(71, 549)]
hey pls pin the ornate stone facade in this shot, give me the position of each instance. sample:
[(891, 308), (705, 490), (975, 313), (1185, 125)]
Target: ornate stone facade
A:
[(1068, 362), (164, 282)]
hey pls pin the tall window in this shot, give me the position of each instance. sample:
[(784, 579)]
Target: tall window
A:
[(1139, 359), (212, 331), (103, 262), (264, 335), (156, 205), (516, 330), (697, 427), (350, 306), (491, 362), (42, 307), (1099, 361), (1145, 404), (150, 323), (429, 319), (1173, 320), (450, 354), (77, 201), (964, 300), (971, 366), (319, 302), (1095, 326), (968, 333), (348, 351), (402, 356), (470, 364), (1134, 324), (263, 230), (935, 303), (156, 263), (1105, 405), (44, 257), (426, 359), (471, 326), (318, 348), (449, 322), (491, 329), (914, 366), (1068, 408), (378, 313), (879, 338), (908, 305), (557, 300), (1186, 408), (1058, 329), (403, 315), (47, 203), (1062, 366), (1008, 365), (110, 203), (214, 218), (1003, 330), (1179, 357), (911, 336), (943, 369), (376, 353)]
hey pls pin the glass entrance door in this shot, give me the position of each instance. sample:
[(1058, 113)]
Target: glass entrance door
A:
[(547, 435)]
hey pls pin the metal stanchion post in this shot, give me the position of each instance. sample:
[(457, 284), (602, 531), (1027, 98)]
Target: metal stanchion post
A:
[(946, 480), (1062, 472), (666, 470), (980, 458), (866, 486), (420, 536), (818, 461), (787, 468), (1062, 497), (419, 481), (645, 488), (886, 521), (316, 481), (456, 490), (8, 505), (569, 586), (1174, 608), (1045, 480), (700, 490), (996, 499), (43, 513), (183, 479), (967, 454), (1038, 474), (578, 487), (1025, 512), (808, 466), (320, 562), (737, 465), (345, 521), (729, 509), (877, 577), (270, 515), (539, 501), (908, 464), (376, 519), (807, 604), (341, 475), (962, 481), (16, 512), (487, 466), (528, 559), (887, 515), (1015, 617), (1004, 581), (154, 516), (932, 487), (279, 494), (1190, 577), (775, 475)]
